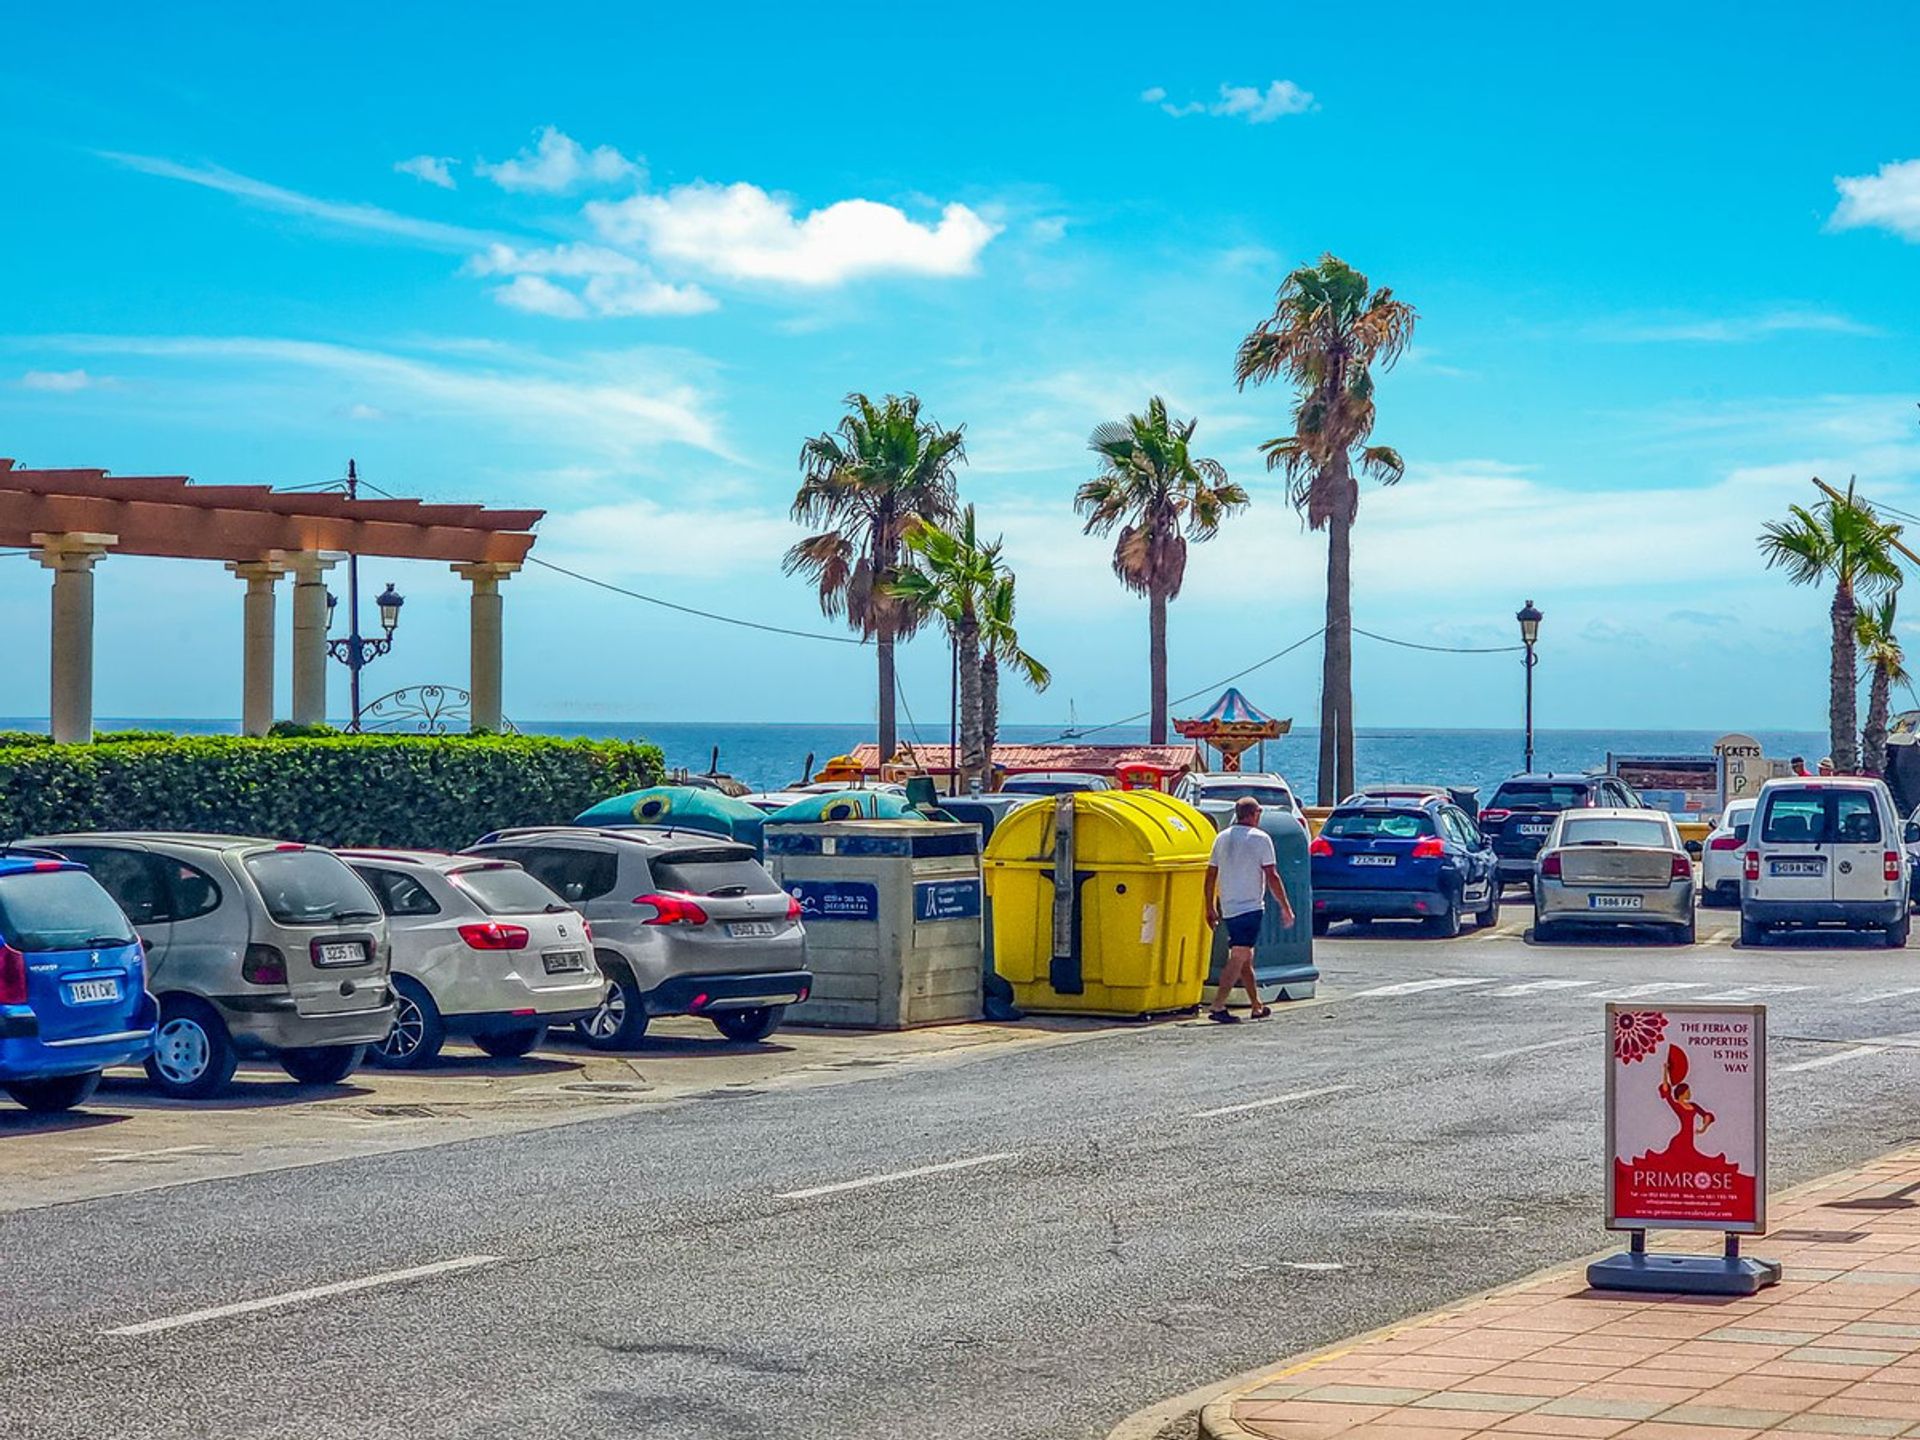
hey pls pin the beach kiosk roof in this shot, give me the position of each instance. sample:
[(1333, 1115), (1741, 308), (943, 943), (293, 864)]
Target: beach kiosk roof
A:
[(1232, 724)]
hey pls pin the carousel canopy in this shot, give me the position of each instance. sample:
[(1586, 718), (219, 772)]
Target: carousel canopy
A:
[(1232, 714)]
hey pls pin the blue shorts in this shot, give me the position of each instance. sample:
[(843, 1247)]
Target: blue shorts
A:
[(1243, 930)]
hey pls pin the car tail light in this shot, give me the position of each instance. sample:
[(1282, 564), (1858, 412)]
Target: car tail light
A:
[(1320, 846), (793, 910), (1724, 842), (699, 1002), (1428, 847), (1752, 870), (1891, 860), (49, 865), (1550, 866), (492, 935), (1682, 868), (586, 928), (263, 965), (13, 976), (1496, 816), (672, 910)]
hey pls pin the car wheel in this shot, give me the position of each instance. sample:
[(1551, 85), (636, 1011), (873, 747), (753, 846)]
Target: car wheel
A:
[(512, 1044), (193, 1056), (322, 1064), (1897, 933), (1752, 934), (1545, 932), (1688, 933), (1446, 924), (58, 1092), (1490, 916), (621, 1021), (755, 1024), (1321, 924), (417, 1033)]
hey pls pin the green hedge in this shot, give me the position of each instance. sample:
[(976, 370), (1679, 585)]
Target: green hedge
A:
[(433, 792)]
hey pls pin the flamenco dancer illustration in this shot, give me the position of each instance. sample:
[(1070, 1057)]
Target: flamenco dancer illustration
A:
[(1695, 1119)]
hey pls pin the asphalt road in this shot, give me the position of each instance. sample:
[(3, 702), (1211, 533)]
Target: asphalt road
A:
[(1093, 1242)]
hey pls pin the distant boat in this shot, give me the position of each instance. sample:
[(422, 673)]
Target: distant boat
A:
[(1073, 730)]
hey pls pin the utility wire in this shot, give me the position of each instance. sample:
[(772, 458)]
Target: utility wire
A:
[(690, 610), (1440, 649), (1204, 689)]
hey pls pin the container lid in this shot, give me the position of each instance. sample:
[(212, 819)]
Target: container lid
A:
[(1117, 828)]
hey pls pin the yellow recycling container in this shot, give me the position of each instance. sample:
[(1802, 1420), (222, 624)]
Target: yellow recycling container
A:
[(1128, 935)]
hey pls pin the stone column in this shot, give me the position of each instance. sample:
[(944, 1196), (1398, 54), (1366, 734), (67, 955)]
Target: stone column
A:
[(70, 555), (256, 683), (484, 683), (309, 570)]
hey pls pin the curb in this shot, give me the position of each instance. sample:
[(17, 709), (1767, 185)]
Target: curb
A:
[(1215, 1402)]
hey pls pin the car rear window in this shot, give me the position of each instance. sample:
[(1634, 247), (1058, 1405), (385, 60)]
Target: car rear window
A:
[(573, 873), (1650, 833), (1538, 795), (1378, 825), (506, 890), (1271, 797), (1821, 817), (716, 873), (59, 910), (310, 887)]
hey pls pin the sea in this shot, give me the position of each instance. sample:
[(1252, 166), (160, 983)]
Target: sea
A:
[(768, 756)]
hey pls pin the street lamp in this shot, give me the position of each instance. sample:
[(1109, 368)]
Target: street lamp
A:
[(1529, 618), (355, 650)]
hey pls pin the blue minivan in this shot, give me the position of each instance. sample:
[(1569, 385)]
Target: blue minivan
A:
[(73, 992)]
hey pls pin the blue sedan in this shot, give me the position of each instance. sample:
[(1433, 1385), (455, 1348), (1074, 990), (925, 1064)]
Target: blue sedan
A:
[(1406, 860), (73, 993)]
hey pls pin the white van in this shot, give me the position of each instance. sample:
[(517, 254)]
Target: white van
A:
[(1824, 851)]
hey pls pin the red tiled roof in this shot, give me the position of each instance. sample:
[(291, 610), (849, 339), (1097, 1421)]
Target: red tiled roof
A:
[(1098, 759)]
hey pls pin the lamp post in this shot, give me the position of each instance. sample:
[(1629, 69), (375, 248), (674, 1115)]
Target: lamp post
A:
[(1529, 618), (354, 650)]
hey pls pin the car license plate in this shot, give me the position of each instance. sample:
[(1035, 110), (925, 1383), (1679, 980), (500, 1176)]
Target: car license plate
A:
[(1613, 902), (558, 961), (1534, 829), (340, 952), (1814, 867), (751, 929), (87, 991), (1373, 859)]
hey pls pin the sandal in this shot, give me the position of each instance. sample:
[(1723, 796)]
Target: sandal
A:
[(1260, 1012), (1223, 1017)]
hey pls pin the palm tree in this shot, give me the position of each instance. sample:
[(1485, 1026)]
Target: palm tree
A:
[(1886, 667), (1000, 641), (883, 471), (948, 574), (1843, 542), (1161, 495), (1327, 329)]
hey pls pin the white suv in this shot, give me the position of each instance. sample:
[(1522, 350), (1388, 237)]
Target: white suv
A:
[(1824, 852)]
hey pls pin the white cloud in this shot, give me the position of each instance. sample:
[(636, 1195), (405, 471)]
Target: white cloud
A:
[(431, 168), (741, 232), (1889, 199), (358, 411), (62, 381), (274, 197), (556, 163), (647, 537), (539, 296), (616, 284), (1734, 330), (1247, 102)]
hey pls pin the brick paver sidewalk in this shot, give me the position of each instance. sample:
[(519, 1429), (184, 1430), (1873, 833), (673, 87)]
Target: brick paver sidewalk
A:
[(1833, 1350)]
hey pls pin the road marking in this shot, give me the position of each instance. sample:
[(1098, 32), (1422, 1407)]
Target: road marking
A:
[(894, 1175), (1657, 987), (1838, 1057), (1312, 1267), (1416, 987), (1535, 987), (297, 1297), (1530, 1049), (1886, 995), (1270, 1101), (121, 1157), (1753, 992)]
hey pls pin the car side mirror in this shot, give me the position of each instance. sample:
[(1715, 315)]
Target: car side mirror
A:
[(1912, 832)]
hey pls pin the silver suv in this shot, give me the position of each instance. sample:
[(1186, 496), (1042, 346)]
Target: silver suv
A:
[(684, 923), (254, 947)]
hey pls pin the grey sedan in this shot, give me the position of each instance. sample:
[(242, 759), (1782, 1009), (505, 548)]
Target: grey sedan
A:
[(1614, 866)]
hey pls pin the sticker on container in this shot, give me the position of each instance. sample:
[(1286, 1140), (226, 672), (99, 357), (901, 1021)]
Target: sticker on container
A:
[(1149, 923), (835, 899), (946, 899)]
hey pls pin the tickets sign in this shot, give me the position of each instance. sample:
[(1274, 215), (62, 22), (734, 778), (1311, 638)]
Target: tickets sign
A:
[(1687, 1118)]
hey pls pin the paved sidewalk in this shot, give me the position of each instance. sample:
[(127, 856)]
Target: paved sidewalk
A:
[(1831, 1351)]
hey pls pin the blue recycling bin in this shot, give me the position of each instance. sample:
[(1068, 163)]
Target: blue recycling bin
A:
[(1282, 956)]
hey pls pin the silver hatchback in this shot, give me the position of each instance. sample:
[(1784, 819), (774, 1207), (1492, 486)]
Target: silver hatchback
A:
[(1614, 866), (684, 923)]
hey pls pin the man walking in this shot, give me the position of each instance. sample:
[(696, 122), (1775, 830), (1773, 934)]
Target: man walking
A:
[(1240, 873)]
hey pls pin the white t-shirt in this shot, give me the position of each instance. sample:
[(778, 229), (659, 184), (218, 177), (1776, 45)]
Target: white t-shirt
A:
[(1241, 854)]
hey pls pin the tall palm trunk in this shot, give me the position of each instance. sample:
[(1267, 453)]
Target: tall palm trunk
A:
[(1157, 660), (989, 715), (972, 757), (883, 651), (886, 557), (1336, 666), (1873, 738), (1843, 705)]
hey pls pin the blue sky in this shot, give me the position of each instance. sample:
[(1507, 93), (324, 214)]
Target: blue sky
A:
[(617, 261)]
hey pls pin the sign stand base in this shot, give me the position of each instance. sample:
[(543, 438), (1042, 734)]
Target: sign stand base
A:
[(1728, 1274)]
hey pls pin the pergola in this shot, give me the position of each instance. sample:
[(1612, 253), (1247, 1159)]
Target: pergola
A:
[(71, 518)]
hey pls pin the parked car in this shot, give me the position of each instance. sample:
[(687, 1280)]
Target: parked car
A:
[(1467, 797), (1825, 852), (1213, 794), (1720, 857), (481, 949), (1403, 859), (1614, 865), (986, 811), (254, 947), (73, 995), (1521, 812), (1053, 782), (683, 924)]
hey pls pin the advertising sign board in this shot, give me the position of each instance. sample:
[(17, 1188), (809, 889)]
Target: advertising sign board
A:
[(1743, 768), (1687, 1118)]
